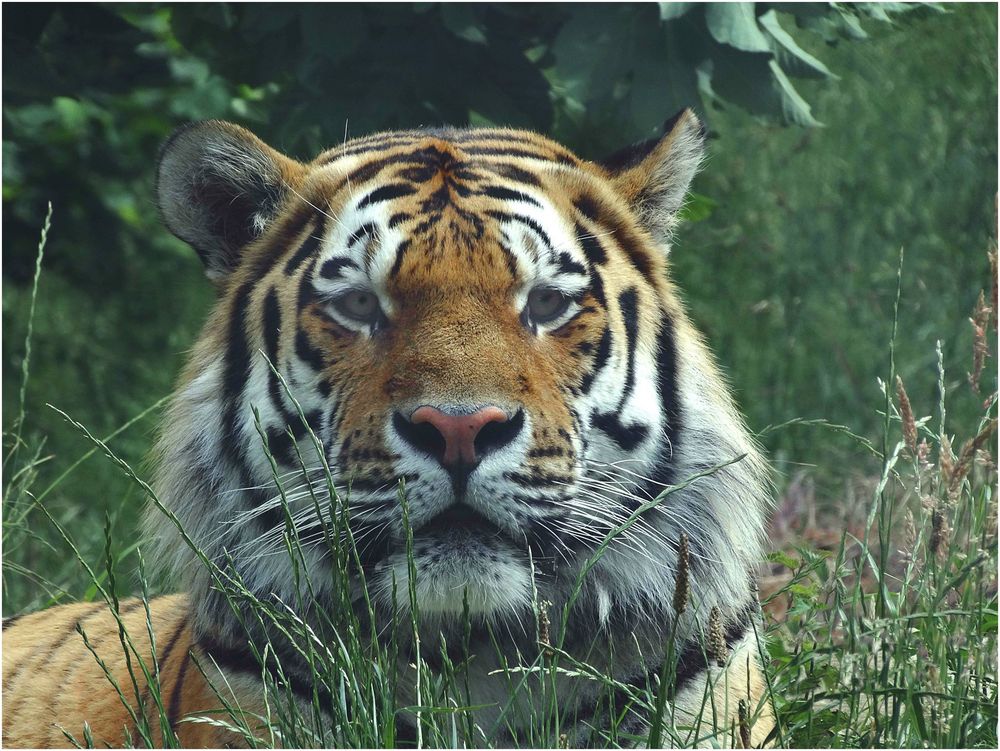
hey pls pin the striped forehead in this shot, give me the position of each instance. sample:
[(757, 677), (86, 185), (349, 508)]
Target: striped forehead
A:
[(381, 222)]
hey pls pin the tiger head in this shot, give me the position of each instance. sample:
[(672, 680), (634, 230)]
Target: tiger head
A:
[(475, 332)]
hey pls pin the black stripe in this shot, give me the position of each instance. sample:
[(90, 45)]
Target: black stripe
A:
[(387, 193), (424, 161), (666, 374), (371, 145), (174, 710), (272, 325), (372, 543), (279, 445), (334, 268), (600, 360), (425, 225), (272, 330), (398, 218), (533, 479), (626, 239), (437, 200), (306, 292), (592, 247), (496, 151), (291, 229), (365, 231), (630, 316), (505, 216), (634, 250), (586, 206), (11, 621), (307, 353), (236, 372), (489, 136), (626, 436), (513, 172), (511, 260), (371, 484), (366, 172), (307, 248), (398, 263), (568, 265), (161, 660), (130, 607), (313, 422), (506, 194), (597, 289), (418, 173)]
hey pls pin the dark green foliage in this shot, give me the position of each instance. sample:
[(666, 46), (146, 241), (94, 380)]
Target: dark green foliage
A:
[(793, 276)]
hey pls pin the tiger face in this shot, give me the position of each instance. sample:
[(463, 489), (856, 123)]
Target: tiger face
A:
[(474, 330)]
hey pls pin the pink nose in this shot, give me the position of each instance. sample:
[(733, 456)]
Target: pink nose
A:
[(459, 431)]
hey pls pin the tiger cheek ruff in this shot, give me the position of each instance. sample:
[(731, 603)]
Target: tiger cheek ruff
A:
[(489, 320)]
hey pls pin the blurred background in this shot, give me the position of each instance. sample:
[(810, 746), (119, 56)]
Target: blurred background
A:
[(843, 138)]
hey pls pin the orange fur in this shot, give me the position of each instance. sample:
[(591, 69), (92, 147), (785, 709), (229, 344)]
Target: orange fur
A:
[(46, 646)]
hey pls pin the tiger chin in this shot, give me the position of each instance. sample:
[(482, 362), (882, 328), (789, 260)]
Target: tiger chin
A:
[(469, 339)]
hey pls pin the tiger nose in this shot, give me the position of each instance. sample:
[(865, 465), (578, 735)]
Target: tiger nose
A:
[(458, 439)]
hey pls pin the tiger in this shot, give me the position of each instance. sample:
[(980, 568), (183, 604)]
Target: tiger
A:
[(469, 343)]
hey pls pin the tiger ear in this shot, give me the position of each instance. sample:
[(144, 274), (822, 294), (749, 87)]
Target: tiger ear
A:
[(653, 176), (218, 186)]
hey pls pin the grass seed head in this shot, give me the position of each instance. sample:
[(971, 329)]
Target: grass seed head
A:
[(909, 534), (993, 275), (923, 454), (939, 530), (906, 415), (985, 460), (980, 345), (967, 457), (945, 460), (544, 637), (716, 638)]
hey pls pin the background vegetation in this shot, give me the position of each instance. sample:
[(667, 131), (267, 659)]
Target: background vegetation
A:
[(841, 135)]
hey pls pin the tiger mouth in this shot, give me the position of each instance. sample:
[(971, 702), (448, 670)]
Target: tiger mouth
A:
[(461, 521)]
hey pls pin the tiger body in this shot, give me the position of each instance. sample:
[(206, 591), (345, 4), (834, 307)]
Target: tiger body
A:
[(488, 320)]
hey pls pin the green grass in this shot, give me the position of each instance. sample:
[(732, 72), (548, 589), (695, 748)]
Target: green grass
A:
[(887, 637)]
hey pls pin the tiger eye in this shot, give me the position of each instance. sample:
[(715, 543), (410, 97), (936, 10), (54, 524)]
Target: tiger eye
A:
[(546, 304), (359, 305)]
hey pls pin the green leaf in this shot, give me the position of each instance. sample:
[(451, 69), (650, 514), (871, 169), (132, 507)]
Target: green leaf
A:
[(794, 108), (697, 208), (802, 10), (463, 21), (918, 713), (670, 11), (833, 26), (778, 556), (792, 58), (802, 590), (734, 24)]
